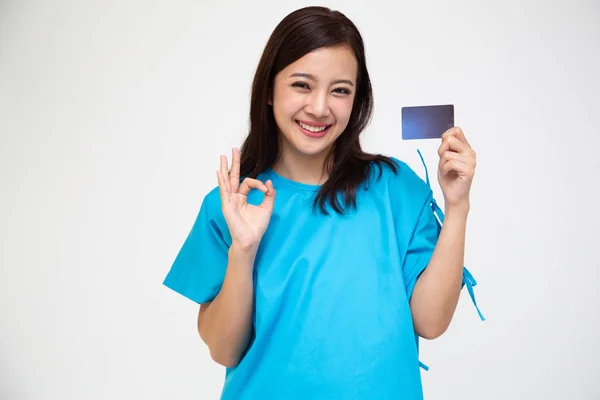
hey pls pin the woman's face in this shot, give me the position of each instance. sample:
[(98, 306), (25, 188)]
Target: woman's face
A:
[(312, 100)]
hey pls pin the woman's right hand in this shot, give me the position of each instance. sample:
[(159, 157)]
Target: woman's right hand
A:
[(247, 223)]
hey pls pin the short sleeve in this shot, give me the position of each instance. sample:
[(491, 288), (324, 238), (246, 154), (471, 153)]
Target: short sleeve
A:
[(420, 246), (199, 268), (426, 232)]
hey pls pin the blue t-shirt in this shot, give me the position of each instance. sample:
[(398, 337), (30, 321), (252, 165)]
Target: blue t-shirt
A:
[(332, 317)]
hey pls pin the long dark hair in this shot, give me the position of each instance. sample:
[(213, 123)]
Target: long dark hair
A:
[(299, 33)]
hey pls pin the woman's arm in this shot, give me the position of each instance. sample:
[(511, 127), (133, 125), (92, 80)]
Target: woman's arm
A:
[(437, 290), (225, 324)]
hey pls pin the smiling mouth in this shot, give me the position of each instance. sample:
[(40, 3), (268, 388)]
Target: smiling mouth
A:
[(313, 130)]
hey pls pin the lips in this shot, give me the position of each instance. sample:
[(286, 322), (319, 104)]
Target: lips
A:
[(317, 134), (313, 124)]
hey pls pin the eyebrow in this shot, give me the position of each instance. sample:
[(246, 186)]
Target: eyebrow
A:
[(309, 76)]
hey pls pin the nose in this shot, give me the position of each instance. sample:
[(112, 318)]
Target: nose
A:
[(318, 105)]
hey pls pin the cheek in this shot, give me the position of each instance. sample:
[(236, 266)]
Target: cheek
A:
[(286, 105), (343, 110)]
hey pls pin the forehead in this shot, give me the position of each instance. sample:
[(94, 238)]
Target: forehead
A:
[(326, 64)]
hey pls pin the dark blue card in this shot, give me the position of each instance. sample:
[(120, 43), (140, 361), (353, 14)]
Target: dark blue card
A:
[(426, 122)]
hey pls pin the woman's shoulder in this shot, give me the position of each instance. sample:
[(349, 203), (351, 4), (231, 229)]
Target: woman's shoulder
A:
[(405, 192), (210, 206), (212, 198), (399, 176)]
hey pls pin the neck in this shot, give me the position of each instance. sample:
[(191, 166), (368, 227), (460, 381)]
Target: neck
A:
[(301, 168)]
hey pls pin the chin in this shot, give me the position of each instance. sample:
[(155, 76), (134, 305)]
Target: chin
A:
[(314, 148), (313, 152)]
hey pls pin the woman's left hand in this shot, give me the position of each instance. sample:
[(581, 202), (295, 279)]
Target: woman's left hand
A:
[(456, 168)]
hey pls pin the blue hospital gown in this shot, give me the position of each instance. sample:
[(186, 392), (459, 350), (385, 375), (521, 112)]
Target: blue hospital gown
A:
[(332, 317)]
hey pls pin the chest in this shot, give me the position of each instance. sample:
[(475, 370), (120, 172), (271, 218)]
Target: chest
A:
[(304, 253)]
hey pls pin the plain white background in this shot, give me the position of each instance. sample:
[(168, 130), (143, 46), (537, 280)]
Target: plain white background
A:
[(112, 118)]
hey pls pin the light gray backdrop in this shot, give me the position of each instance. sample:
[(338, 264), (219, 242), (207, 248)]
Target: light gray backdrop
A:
[(112, 118)]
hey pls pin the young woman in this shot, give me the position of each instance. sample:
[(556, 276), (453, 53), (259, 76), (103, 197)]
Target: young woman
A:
[(318, 266)]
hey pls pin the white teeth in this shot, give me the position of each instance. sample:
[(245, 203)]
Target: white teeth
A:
[(311, 128)]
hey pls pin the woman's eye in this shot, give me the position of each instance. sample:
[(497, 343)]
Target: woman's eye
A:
[(300, 85), (343, 90), (304, 85)]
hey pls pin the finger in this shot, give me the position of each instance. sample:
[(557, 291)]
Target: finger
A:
[(458, 146), (457, 166), (451, 143), (234, 177), (222, 188), (444, 147), (269, 199), (225, 172), (456, 132), (451, 155), (250, 183)]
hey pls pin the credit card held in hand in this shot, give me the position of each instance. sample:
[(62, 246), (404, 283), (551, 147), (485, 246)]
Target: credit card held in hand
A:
[(426, 122)]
